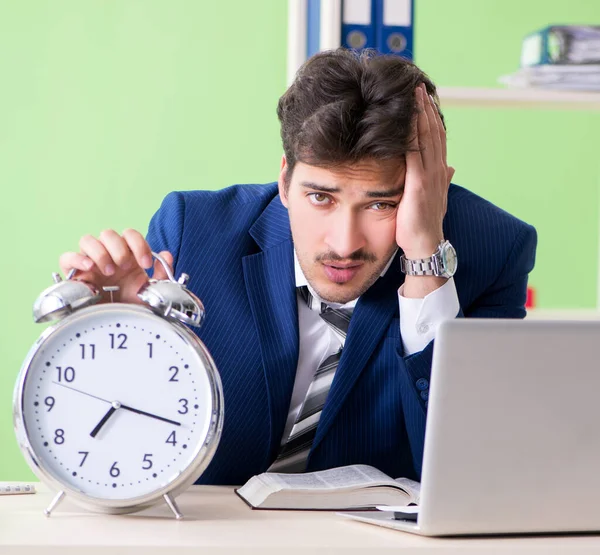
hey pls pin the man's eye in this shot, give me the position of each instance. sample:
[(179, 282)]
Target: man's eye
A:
[(381, 206), (318, 198)]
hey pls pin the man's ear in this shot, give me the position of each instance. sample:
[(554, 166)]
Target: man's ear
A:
[(281, 181)]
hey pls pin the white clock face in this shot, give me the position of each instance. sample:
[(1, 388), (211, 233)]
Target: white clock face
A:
[(116, 405)]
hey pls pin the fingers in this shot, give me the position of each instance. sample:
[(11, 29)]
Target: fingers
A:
[(428, 142), (74, 260), (424, 128), (139, 247), (431, 134), (451, 171), (441, 130), (118, 249), (432, 155), (414, 162), (159, 271), (110, 252), (113, 259), (97, 251)]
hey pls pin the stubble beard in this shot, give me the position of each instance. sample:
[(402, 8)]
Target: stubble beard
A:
[(340, 293)]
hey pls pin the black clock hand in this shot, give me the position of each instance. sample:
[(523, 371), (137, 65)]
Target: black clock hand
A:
[(104, 420), (138, 411), (125, 407)]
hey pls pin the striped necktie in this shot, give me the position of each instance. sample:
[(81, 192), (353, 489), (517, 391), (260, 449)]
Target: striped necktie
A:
[(294, 454)]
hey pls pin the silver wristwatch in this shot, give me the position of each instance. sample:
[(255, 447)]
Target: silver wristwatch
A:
[(442, 263)]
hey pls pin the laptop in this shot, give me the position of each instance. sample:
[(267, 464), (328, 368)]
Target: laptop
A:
[(512, 442)]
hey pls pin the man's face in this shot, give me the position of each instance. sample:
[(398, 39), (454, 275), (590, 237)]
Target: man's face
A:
[(343, 223)]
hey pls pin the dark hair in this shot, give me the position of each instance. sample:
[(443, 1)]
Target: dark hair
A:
[(345, 106)]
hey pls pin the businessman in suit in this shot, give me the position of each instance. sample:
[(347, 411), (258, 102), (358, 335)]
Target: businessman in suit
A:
[(324, 291)]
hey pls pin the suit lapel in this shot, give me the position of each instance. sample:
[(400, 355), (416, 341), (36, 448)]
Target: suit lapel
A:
[(271, 288), (370, 320)]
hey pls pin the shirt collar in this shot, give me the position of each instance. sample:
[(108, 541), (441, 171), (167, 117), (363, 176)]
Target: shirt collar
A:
[(301, 281)]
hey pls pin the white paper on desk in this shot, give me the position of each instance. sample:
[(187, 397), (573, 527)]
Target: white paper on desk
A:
[(377, 518), (408, 509)]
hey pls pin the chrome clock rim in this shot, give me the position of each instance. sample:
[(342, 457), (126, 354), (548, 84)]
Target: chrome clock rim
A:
[(187, 477)]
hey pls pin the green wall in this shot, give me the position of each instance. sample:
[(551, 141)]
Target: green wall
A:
[(107, 105), (541, 165)]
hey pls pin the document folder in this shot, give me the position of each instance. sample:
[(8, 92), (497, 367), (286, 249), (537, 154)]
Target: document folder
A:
[(394, 27), (358, 27)]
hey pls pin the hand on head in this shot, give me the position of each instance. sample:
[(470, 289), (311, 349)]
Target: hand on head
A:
[(423, 206)]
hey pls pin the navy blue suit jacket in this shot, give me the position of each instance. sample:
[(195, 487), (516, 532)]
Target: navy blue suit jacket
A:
[(237, 247)]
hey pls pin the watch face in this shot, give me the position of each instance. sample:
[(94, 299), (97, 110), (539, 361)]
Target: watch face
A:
[(116, 403), (449, 259)]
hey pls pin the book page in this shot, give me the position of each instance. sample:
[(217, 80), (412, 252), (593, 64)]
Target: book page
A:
[(346, 486), (412, 487), (345, 477)]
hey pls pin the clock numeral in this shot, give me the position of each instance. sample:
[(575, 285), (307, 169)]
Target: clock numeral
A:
[(175, 371), (121, 337), (172, 439), (149, 350), (147, 460), (85, 454), (59, 436), (114, 471), (184, 408), (92, 349), (68, 374), (49, 402)]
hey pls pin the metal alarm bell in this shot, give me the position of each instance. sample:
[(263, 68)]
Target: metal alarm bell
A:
[(171, 299), (168, 298), (64, 297)]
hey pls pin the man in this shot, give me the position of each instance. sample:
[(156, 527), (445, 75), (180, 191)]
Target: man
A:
[(324, 291)]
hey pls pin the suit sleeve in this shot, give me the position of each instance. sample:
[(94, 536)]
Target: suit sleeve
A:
[(505, 298), (166, 226)]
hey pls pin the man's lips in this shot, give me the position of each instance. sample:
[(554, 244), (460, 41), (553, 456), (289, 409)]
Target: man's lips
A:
[(342, 266), (341, 273)]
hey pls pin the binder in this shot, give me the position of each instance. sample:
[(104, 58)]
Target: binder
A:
[(323, 24), (562, 45), (394, 27), (316, 25), (313, 27), (358, 24)]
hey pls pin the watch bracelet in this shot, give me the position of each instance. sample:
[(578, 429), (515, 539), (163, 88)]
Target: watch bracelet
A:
[(424, 267)]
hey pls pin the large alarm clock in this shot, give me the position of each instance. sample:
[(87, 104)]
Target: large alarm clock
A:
[(118, 406)]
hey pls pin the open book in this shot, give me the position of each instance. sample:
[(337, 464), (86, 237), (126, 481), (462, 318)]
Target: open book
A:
[(355, 487)]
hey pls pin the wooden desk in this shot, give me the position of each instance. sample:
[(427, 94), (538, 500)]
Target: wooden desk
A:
[(217, 521)]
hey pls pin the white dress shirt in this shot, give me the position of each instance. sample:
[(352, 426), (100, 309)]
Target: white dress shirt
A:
[(419, 320)]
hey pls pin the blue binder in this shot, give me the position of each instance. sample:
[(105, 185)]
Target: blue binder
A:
[(386, 25), (313, 27), (394, 27), (562, 45), (358, 24)]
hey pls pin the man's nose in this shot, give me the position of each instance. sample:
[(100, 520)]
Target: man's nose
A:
[(345, 235)]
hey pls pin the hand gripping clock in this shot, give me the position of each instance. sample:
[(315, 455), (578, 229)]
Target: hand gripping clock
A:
[(119, 406)]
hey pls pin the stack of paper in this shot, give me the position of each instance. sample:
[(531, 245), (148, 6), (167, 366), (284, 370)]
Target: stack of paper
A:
[(563, 57), (564, 77)]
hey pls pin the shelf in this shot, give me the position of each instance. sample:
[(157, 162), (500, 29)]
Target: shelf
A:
[(518, 98), (563, 314)]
